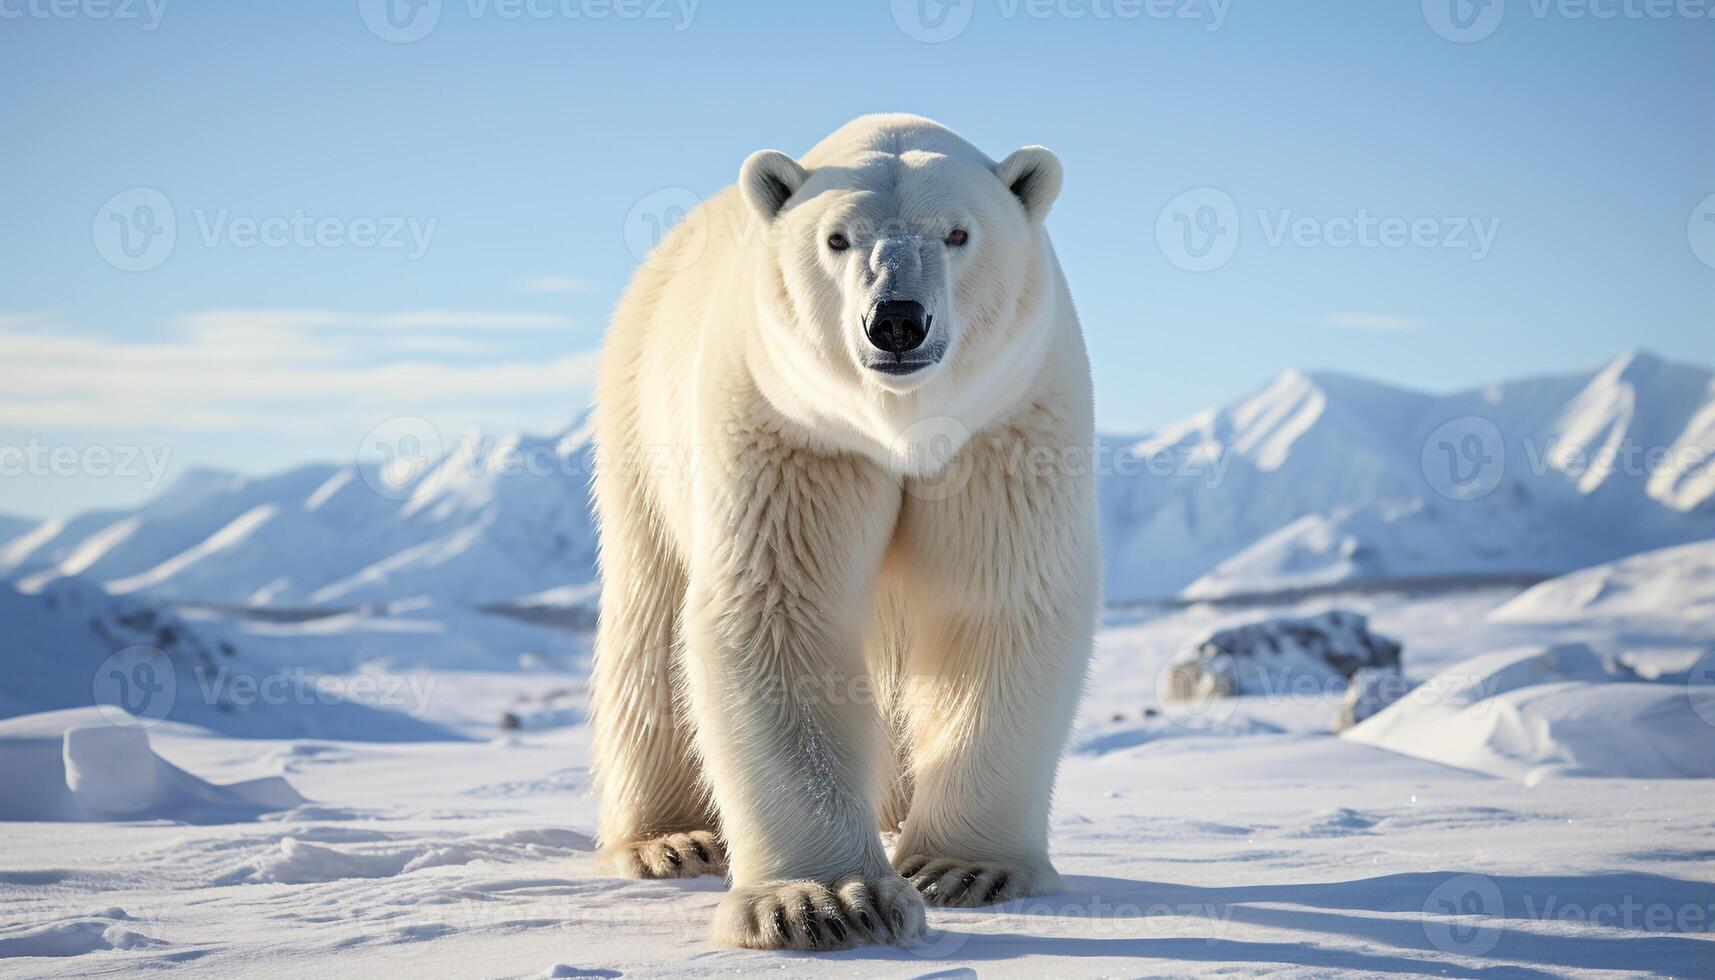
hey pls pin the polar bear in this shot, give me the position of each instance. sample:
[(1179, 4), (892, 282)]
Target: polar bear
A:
[(848, 539)]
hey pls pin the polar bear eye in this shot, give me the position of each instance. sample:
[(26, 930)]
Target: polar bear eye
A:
[(839, 242), (957, 237)]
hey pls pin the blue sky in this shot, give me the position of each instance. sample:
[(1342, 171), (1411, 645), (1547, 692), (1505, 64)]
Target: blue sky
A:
[(368, 227)]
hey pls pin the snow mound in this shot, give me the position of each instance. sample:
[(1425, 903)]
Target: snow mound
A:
[(1172, 725), (109, 929), (297, 862), (77, 765), (1270, 656), (1540, 712), (1671, 582)]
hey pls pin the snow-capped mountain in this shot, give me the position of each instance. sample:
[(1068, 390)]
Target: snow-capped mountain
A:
[(1317, 478), (1321, 478), (485, 521), (55, 641)]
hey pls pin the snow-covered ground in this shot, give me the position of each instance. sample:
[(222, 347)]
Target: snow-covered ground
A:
[(1232, 835)]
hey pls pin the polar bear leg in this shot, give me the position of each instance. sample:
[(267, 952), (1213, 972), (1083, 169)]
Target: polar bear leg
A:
[(1006, 572), (787, 548), (656, 819), (885, 650)]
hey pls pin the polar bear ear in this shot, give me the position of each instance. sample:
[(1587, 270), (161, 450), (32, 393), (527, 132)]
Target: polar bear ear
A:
[(1032, 174), (768, 179)]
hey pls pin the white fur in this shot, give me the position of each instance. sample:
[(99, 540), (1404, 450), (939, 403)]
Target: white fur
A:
[(834, 596)]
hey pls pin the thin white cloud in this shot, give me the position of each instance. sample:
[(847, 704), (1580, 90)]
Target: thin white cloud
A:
[(555, 284), (277, 373), (455, 320), (1371, 321)]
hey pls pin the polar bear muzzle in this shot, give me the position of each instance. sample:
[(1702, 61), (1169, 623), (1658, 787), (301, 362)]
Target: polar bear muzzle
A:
[(898, 326)]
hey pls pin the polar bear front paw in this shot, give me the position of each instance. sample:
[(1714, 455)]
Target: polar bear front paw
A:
[(956, 884), (812, 915), (680, 855)]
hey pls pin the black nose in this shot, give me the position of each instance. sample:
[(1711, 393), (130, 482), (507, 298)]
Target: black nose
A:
[(898, 325)]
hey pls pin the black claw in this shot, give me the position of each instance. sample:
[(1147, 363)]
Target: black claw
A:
[(838, 928), (994, 889), (911, 869), (673, 857), (780, 921), (934, 871), (865, 921), (962, 886), (807, 912), (702, 852)]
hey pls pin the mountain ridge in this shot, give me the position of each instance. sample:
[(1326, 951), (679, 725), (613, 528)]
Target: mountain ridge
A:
[(1313, 478)]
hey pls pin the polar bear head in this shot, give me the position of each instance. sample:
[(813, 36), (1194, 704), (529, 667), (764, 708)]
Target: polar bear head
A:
[(902, 259)]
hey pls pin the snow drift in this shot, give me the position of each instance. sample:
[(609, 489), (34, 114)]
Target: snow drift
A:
[(1538, 712), (79, 765), (1675, 583)]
